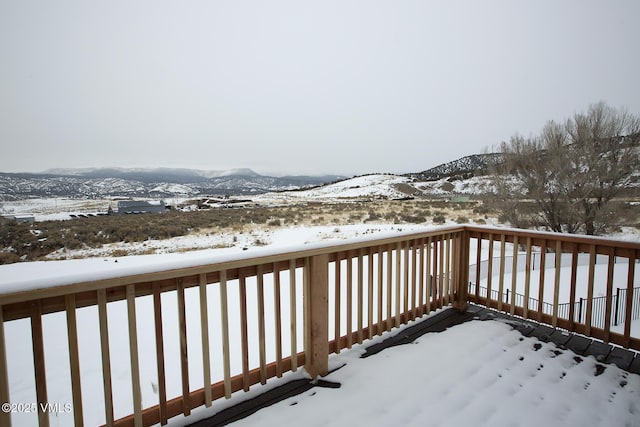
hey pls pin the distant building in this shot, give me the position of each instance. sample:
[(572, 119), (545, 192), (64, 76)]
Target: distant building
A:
[(21, 218), (141, 206)]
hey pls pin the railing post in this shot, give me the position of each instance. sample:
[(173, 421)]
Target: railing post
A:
[(5, 416), (462, 267), (316, 296)]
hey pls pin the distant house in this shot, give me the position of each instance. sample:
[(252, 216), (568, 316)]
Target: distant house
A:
[(141, 206), (21, 218)]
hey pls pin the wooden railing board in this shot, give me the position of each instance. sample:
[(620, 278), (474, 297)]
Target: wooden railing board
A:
[(292, 314), (629, 304), (398, 284), (162, 382), (278, 322), (224, 324), (349, 318), (541, 278), (262, 340), (74, 360), (572, 287), (360, 296), (556, 291), (337, 309), (5, 416), (380, 287), (244, 331), (204, 334), (106, 358), (134, 357), (370, 292), (389, 283), (39, 362), (184, 357), (609, 299)]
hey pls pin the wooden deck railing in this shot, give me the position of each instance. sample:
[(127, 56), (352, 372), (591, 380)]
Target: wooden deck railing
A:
[(238, 323), (555, 271)]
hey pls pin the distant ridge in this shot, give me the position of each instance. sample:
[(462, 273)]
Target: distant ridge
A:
[(156, 183), (463, 168), (175, 175)]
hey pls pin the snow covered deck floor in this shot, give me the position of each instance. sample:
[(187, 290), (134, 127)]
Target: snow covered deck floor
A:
[(492, 375)]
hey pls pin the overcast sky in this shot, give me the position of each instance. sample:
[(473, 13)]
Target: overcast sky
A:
[(296, 87)]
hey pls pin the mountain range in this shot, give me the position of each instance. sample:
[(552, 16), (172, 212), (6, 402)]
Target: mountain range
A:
[(173, 182), (161, 182)]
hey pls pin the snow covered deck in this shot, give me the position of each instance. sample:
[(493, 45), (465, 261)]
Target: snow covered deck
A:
[(452, 368), (147, 344)]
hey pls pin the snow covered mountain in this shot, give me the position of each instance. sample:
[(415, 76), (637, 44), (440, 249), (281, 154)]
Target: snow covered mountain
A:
[(163, 182), (173, 182)]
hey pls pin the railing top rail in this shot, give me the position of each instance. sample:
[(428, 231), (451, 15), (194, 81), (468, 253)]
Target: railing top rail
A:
[(565, 237), (26, 290)]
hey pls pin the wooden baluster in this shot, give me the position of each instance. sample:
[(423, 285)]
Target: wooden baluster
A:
[(436, 274), (414, 283), (572, 291), (360, 306), (184, 359), (447, 270), (306, 309), (278, 320), (489, 270), (590, 283), (478, 264), (441, 290), (293, 313), (543, 259), (514, 274), (162, 387), (405, 275), (74, 360), (428, 276), (360, 297), (527, 280), (380, 289), (398, 283), (244, 331), (106, 359), (421, 279), (5, 416), (261, 326), (609, 299), (133, 355), (337, 307), (204, 331), (224, 319), (38, 362), (629, 302), (389, 321), (370, 294), (556, 291), (503, 242), (349, 300)]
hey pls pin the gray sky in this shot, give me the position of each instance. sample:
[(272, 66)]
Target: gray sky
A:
[(295, 87)]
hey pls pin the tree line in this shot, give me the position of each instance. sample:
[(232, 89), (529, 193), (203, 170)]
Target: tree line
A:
[(570, 172)]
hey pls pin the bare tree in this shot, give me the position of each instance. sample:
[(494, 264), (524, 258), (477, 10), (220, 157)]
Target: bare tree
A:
[(571, 171)]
